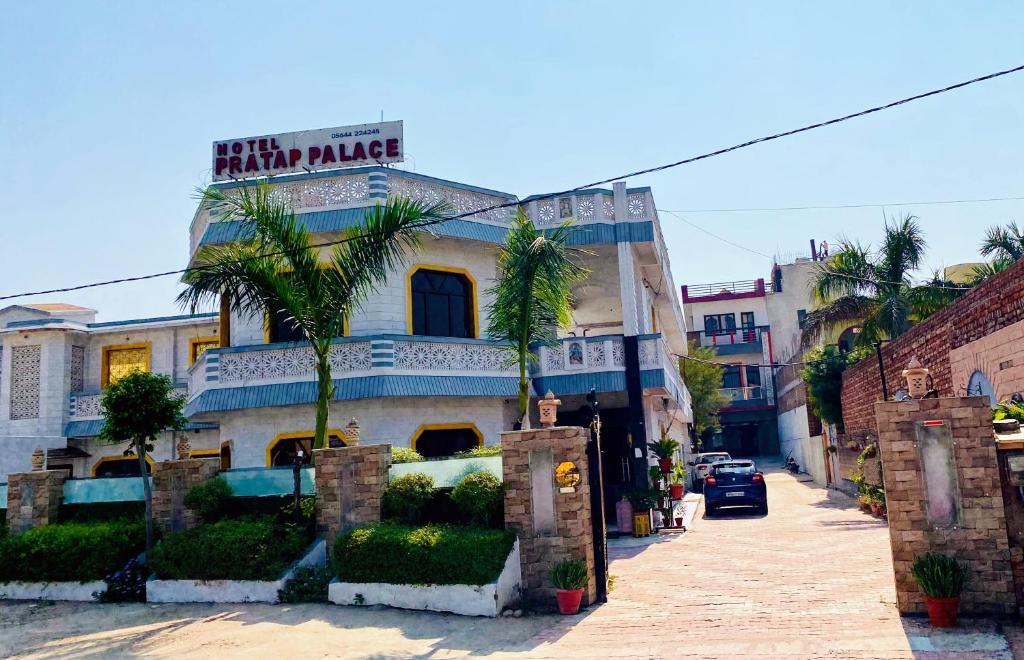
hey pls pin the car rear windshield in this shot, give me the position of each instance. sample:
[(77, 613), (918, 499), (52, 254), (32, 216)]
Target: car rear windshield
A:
[(735, 468), (713, 458), (734, 473)]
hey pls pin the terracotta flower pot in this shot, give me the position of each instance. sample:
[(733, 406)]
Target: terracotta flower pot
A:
[(876, 510), (676, 491), (679, 521), (942, 611), (665, 464), (569, 600)]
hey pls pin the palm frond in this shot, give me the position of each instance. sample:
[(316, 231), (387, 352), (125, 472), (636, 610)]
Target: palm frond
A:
[(1003, 242), (840, 312), (901, 252), (981, 272), (848, 272), (928, 298)]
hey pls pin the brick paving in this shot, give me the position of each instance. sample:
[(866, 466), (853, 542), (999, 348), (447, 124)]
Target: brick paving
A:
[(812, 579)]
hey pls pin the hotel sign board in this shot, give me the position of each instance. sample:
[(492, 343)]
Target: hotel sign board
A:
[(308, 151)]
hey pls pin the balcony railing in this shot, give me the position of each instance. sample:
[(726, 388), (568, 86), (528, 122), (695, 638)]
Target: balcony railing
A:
[(723, 290), (733, 340), (752, 395), (86, 405)]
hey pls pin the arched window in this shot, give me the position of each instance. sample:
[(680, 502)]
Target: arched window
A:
[(281, 327), (119, 466), (847, 338), (433, 441), (442, 303), (979, 385), (282, 449)]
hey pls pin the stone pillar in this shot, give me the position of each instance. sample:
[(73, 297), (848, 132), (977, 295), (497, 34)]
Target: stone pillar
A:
[(349, 486), (1010, 450), (552, 523), (945, 497), (34, 498), (171, 481)]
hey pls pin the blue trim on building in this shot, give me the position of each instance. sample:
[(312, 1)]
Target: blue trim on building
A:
[(602, 381), (90, 428), (155, 319), (585, 192), (33, 322), (367, 387), (376, 342)]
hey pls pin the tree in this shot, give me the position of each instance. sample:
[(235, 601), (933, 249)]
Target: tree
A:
[(874, 289), (274, 267), (984, 271), (532, 297), (823, 375), (703, 378), (137, 409), (1005, 243)]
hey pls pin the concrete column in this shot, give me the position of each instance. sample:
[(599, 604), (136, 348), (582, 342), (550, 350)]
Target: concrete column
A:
[(349, 486), (552, 522), (627, 283), (34, 499), (171, 481)]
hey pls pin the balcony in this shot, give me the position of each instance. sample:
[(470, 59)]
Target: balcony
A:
[(744, 397), (85, 414), (723, 291), (734, 341)]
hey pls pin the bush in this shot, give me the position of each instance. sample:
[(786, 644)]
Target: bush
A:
[(479, 452), (127, 585), (479, 497), (229, 550), (307, 585), (940, 576), (435, 554), (569, 574), (70, 552), (209, 499), (100, 511), (405, 455), (405, 497)]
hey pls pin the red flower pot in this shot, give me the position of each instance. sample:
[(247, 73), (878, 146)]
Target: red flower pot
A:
[(942, 611), (679, 522), (876, 510), (665, 464), (569, 600), (676, 491)]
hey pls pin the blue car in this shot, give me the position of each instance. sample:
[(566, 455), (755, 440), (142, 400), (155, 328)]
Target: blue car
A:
[(734, 483)]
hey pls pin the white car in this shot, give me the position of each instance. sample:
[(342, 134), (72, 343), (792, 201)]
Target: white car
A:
[(702, 463)]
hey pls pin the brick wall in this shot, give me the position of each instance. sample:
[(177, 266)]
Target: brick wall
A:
[(978, 535), (171, 482), (349, 486), (992, 306), (34, 498), (570, 536)]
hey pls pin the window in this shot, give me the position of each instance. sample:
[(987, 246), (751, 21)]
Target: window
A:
[(747, 321), (716, 324), (120, 466), (442, 303), (434, 440), (119, 361), (801, 317), (731, 376), (654, 319), (753, 376), (200, 345), (281, 327), (283, 448)]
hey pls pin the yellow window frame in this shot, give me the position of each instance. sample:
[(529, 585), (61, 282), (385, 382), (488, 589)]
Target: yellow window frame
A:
[(297, 435), (111, 459), (475, 330), (111, 348), (195, 342), (447, 427)]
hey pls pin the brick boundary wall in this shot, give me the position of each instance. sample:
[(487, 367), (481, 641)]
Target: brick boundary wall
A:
[(349, 487), (171, 482), (997, 303), (46, 488), (572, 536), (979, 535)]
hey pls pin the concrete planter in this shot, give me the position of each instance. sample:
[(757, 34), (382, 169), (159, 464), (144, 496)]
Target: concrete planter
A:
[(81, 591), (473, 600), (231, 591)]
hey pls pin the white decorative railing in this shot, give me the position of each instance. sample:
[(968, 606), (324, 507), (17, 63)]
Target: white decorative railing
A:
[(88, 406), (587, 208), (575, 354), (290, 363), (459, 200), (446, 356)]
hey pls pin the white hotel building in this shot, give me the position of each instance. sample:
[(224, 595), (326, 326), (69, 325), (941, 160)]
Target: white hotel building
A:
[(415, 367)]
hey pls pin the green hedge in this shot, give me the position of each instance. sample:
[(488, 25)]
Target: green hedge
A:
[(229, 550), (434, 554), (70, 552), (101, 511)]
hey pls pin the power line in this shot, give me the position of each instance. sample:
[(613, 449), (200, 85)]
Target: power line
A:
[(713, 235), (649, 170), (851, 206)]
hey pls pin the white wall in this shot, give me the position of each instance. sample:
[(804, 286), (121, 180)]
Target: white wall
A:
[(169, 353), (782, 308), (795, 439), (695, 311)]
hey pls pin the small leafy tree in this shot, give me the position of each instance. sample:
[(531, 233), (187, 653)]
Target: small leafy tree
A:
[(532, 298), (703, 379), (823, 374), (138, 408)]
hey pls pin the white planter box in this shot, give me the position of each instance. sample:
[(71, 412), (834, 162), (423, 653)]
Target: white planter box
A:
[(50, 590), (483, 600), (230, 591)]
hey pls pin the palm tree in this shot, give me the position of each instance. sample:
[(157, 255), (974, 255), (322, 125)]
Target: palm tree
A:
[(983, 271), (532, 297), (1005, 243), (874, 289), (275, 268)]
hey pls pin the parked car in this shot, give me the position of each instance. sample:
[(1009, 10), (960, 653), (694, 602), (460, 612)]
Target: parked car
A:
[(734, 483), (702, 463)]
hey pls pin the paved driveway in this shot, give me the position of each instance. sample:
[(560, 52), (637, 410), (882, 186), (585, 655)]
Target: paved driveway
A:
[(813, 579)]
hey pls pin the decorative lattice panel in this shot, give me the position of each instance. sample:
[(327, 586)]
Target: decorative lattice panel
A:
[(438, 356), (460, 201), (585, 209), (25, 381), (77, 368), (546, 213), (554, 359), (319, 193), (88, 405), (618, 354), (609, 208), (648, 353), (596, 354), (636, 206), (124, 361), (291, 362)]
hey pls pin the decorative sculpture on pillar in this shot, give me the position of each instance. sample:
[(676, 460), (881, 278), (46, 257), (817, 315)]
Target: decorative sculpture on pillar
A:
[(352, 433), (548, 407), (38, 459), (184, 447), (916, 376)]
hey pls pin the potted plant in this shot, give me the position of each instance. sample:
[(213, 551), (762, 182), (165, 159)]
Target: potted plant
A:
[(569, 577), (678, 486), (643, 500), (664, 449), (655, 475), (852, 445), (941, 579), (864, 500)]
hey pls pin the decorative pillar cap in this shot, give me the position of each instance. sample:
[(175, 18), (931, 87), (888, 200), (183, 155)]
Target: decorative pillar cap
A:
[(916, 376), (38, 459), (548, 407)]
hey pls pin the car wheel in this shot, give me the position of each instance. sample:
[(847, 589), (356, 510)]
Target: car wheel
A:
[(709, 511), (763, 509)]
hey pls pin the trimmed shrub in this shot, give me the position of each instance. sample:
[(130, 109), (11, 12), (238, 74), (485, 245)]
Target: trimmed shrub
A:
[(229, 550), (479, 452), (100, 511), (405, 497), (308, 585), (405, 455), (70, 552), (209, 499), (479, 497), (435, 554)]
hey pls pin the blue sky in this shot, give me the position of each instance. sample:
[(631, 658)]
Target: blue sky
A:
[(107, 112)]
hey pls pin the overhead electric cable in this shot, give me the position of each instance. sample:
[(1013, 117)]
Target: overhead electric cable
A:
[(649, 170)]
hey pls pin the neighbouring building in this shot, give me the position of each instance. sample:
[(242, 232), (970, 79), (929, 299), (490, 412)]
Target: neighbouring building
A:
[(416, 367)]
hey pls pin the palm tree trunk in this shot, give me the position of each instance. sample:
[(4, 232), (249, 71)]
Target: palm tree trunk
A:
[(325, 390), (147, 489), (524, 384)]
